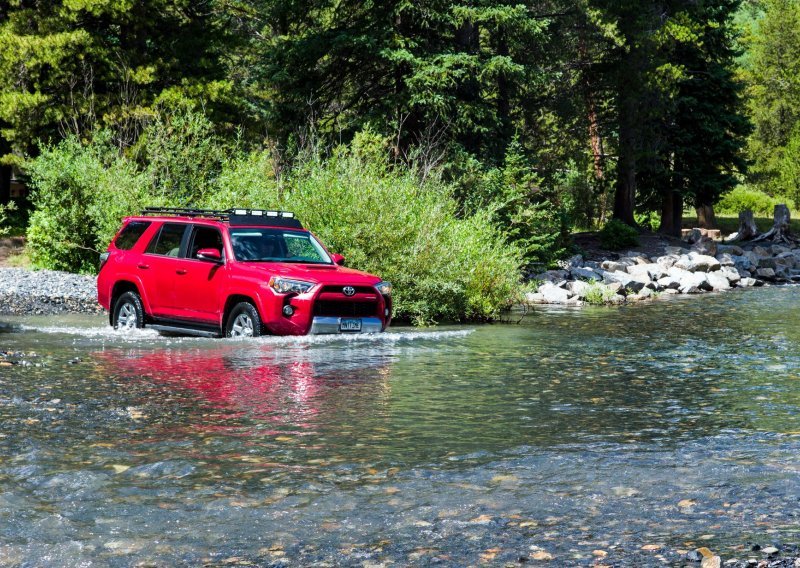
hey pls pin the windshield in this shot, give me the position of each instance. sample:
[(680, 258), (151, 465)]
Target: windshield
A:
[(277, 245)]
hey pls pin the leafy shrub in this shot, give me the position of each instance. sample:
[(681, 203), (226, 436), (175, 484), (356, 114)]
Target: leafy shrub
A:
[(4, 211), (384, 220), (598, 294), (80, 193), (617, 235), (387, 222), (530, 215), (741, 198)]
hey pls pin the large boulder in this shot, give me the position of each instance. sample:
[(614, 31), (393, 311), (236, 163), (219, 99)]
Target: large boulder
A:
[(766, 273), (767, 262), (752, 257), (718, 281), (578, 289), (694, 262), (731, 274), (617, 265), (732, 250), (572, 262), (694, 283), (668, 260), (725, 259), (668, 283), (553, 294), (623, 278), (551, 276), (584, 273), (743, 262), (651, 271)]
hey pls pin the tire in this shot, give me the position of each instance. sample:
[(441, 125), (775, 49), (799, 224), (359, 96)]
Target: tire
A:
[(128, 312), (243, 321)]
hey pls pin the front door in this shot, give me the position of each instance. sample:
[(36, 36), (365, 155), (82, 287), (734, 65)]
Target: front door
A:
[(158, 265), (198, 283)]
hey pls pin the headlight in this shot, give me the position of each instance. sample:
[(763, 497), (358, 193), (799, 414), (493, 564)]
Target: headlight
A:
[(384, 288), (285, 286)]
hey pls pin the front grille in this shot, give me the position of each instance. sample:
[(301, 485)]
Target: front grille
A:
[(332, 308), (359, 289)]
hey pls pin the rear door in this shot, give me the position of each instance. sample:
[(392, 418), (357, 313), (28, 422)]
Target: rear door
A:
[(199, 283), (159, 265)]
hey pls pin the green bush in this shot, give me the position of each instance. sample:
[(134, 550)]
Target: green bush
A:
[(4, 220), (617, 235), (387, 222), (531, 216), (742, 198), (383, 219), (80, 193), (598, 294)]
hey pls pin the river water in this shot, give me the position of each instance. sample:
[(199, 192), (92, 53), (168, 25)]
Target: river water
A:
[(578, 434)]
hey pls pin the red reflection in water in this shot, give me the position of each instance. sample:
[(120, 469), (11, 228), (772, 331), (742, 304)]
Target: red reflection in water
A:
[(269, 382)]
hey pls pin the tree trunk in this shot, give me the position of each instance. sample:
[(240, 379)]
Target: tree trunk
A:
[(625, 192), (705, 216), (747, 226), (671, 214), (781, 227), (5, 184)]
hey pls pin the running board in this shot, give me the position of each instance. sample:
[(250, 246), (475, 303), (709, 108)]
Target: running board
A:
[(184, 330)]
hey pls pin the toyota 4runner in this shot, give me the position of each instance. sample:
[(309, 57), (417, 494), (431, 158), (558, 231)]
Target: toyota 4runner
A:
[(235, 273)]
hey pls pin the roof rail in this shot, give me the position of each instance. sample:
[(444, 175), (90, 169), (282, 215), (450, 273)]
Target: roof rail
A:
[(187, 212), (236, 216)]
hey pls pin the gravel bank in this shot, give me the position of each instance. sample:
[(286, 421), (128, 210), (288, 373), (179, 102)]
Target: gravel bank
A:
[(45, 292)]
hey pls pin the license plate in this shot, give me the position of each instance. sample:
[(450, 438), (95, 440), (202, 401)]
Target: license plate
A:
[(350, 325)]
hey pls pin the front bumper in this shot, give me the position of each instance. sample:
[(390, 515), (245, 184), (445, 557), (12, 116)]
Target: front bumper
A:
[(323, 324)]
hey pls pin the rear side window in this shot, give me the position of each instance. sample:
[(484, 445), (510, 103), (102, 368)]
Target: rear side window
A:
[(130, 234), (168, 240)]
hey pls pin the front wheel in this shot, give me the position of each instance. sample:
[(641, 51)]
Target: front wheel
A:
[(243, 321), (128, 312)]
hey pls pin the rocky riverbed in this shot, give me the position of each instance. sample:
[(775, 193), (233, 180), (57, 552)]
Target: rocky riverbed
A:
[(633, 276), (46, 292)]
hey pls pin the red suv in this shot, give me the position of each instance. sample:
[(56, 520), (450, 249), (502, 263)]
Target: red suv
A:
[(236, 273)]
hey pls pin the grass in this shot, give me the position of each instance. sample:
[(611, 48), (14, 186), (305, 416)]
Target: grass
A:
[(728, 223), (19, 259)]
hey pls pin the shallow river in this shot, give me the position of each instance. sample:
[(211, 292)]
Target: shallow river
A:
[(668, 426)]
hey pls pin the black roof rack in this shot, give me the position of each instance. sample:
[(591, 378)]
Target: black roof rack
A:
[(240, 217), (186, 212)]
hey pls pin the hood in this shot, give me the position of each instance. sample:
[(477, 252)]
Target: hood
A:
[(319, 273)]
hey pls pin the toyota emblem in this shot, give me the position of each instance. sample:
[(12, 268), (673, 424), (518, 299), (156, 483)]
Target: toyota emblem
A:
[(348, 290)]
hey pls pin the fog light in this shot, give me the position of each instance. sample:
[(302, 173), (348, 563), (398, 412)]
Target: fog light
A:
[(288, 310)]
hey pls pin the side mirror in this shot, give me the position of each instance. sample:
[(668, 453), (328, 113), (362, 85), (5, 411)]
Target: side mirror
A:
[(337, 259), (210, 254)]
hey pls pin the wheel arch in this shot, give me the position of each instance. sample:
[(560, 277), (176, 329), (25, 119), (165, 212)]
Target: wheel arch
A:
[(234, 299), (119, 288)]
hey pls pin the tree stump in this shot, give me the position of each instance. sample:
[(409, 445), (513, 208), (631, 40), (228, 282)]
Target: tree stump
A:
[(781, 231), (747, 226)]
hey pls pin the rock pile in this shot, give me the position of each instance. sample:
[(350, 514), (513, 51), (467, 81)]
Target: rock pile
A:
[(706, 267), (44, 292)]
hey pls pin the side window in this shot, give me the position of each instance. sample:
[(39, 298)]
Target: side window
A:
[(168, 240), (130, 234), (204, 238)]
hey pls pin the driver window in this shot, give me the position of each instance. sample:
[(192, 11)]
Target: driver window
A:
[(204, 238)]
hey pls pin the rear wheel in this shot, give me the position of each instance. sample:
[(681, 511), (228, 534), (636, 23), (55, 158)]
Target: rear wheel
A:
[(128, 312), (243, 321)]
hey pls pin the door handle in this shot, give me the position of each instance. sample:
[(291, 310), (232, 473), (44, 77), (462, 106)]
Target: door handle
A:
[(144, 266), (180, 271)]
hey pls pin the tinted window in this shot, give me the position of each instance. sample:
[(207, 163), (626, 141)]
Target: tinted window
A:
[(205, 238), (168, 240), (130, 234), (277, 245)]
